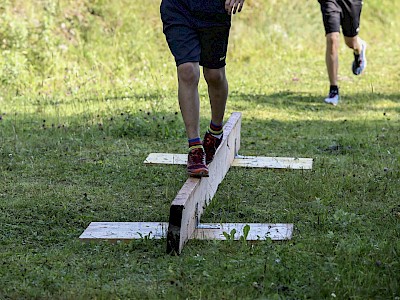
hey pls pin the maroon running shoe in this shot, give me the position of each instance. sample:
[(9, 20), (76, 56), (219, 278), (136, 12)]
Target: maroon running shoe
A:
[(211, 144), (196, 164)]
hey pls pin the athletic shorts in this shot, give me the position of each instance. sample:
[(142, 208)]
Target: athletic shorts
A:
[(344, 13), (196, 31)]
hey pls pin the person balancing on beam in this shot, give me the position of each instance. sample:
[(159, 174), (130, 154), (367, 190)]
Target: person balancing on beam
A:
[(197, 34), (344, 13)]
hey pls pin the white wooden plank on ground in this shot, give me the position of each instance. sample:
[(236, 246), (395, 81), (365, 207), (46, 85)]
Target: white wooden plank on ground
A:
[(273, 162), (258, 231), (239, 161), (125, 231), (166, 159)]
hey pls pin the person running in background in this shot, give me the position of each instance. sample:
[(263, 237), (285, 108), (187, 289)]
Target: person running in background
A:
[(345, 14), (197, 34)]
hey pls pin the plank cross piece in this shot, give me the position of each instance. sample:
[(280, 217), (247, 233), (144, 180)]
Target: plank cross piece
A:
[(195, 195)]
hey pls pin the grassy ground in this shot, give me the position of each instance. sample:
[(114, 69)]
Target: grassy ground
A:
[(88, 90)]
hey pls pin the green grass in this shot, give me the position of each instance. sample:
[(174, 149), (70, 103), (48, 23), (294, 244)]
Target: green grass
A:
[(88, 90)]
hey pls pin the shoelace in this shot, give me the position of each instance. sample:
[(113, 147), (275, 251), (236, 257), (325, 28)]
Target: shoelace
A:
[(196, 157), (209, 140)]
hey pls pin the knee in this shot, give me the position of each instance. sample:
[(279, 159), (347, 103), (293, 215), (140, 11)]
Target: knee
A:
[(189, 73), (332, 40), (351, 42), (214, 76)]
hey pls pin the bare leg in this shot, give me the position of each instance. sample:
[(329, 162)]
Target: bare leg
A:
[(218, 92), (332, 56), (188, 95), (353, 43)]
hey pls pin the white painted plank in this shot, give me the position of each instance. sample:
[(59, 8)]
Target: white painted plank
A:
[(239, 161), (273, 162), (166, 159), (125, 231), (195, 194), (258, 231)]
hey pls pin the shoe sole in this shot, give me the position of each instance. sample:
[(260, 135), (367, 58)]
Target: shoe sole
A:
[(331, 103), (334, 103), (198, 173)]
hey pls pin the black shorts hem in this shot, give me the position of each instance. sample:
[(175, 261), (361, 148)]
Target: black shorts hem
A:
[(207, 46), (205, 65), (213, 66), (186, 60), (351, 35)]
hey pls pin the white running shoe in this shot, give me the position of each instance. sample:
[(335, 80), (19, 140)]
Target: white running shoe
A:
[(333, 98), (360, 60)]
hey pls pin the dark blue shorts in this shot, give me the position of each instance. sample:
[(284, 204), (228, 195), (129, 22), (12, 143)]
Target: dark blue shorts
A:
[(344, 13), (196, 31)]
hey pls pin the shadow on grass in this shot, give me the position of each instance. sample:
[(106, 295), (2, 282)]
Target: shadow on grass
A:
[(303, 101), (167, 127)]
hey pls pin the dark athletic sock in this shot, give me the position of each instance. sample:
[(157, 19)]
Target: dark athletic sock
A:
[(334, 89), (215, 130), (195, 143)]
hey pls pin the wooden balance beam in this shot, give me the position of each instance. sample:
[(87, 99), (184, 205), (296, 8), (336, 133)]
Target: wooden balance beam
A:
[(196, 193)]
